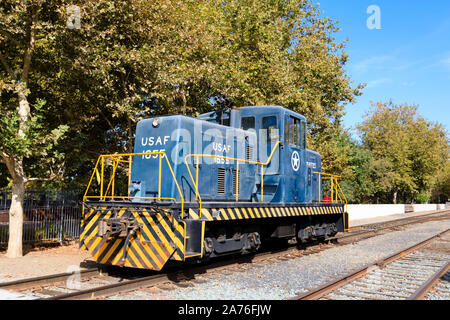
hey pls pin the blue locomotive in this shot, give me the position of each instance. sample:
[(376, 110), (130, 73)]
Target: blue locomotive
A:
[(222, 183)]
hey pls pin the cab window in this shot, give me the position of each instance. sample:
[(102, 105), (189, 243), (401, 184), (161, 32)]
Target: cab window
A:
[(303, 137), (294, 132), (269, 130), (247, 123)]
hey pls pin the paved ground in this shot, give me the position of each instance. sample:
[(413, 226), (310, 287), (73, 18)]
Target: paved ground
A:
[(39, 262)]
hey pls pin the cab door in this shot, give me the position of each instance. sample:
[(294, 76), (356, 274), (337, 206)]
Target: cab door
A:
[(294, 160)]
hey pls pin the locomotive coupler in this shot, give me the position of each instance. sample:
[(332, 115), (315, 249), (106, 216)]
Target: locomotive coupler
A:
[(119, 228)]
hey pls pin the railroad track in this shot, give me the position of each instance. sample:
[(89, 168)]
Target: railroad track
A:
[(94, 283), (411, 274)]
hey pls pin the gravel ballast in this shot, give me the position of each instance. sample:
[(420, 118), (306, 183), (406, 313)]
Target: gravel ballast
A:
[(286, 279)]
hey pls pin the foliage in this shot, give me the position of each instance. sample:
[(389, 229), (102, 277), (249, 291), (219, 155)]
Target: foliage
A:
[(408, 151)]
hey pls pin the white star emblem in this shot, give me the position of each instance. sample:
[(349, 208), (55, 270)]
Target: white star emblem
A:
[(295, 161)]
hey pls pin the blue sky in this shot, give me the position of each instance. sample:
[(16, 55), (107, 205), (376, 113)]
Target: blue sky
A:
[(408, 59)]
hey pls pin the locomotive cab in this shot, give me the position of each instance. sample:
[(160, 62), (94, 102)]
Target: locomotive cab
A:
[(293, 173)]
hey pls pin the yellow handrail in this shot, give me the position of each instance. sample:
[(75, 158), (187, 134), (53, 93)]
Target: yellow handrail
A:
[(334, 187), (116, 160), (195, 182)]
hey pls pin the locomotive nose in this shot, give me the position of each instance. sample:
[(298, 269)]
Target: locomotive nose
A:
[(130, 237)]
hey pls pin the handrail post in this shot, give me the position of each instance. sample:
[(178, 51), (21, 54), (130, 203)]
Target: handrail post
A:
[(101, 178), (320, 179), (237, 181), (129, 174), (116, 164), (159, 176), (196, 175), (262, 184), (332, 190)]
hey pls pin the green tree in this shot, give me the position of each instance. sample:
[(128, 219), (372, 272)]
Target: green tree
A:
[(24, 133), (408, 151), (132, 59)]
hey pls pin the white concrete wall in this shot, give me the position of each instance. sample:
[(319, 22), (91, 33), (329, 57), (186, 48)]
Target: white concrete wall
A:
[(367, 211), (424, 207)]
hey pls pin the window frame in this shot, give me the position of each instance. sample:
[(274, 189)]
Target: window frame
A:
[(254, 123), (267, 135)]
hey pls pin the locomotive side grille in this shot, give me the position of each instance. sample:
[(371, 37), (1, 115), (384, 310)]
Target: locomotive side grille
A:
[(249, 153), (221, 181), (234, 181)]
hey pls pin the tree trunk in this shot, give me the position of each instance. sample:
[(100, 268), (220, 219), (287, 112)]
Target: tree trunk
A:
[(15, 168), (16, 217)]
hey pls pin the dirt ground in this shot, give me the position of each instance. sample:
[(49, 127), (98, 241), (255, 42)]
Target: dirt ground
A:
[(42, 261)]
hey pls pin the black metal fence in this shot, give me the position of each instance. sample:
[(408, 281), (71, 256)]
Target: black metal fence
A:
[(48, 216)]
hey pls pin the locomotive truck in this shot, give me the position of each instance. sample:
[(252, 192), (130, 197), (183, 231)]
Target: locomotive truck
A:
[(222, 183)]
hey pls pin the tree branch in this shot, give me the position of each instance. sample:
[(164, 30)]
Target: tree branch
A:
[(31, 25), (3, 157), (11, 38), (5, 65), (52, 175)]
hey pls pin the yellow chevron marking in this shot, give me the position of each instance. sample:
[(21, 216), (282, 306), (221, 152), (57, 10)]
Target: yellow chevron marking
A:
[(230, 212), (88, 214), (133, 257), (266, 212), (170, 233), (224, 214), (178, 226), (255, 212), (249, 212), (218, 216), (94, 245), (206, 214), (244, 212), (292, 211), (284, 212), (93, 220), (150, 235), (274, 212), (193, 215), (144, 257), (238, 214), (149, 251), (111, 250), (94, 233), (279, 212)]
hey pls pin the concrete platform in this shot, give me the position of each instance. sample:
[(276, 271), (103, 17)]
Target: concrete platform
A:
[(360, 222), (11, 295)]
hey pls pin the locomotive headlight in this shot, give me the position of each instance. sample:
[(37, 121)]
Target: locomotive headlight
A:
[(155, 123)]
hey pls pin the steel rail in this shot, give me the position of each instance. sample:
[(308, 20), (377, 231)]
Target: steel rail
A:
[(423, 290), (336, 284), (47, 279), (412, 220)]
